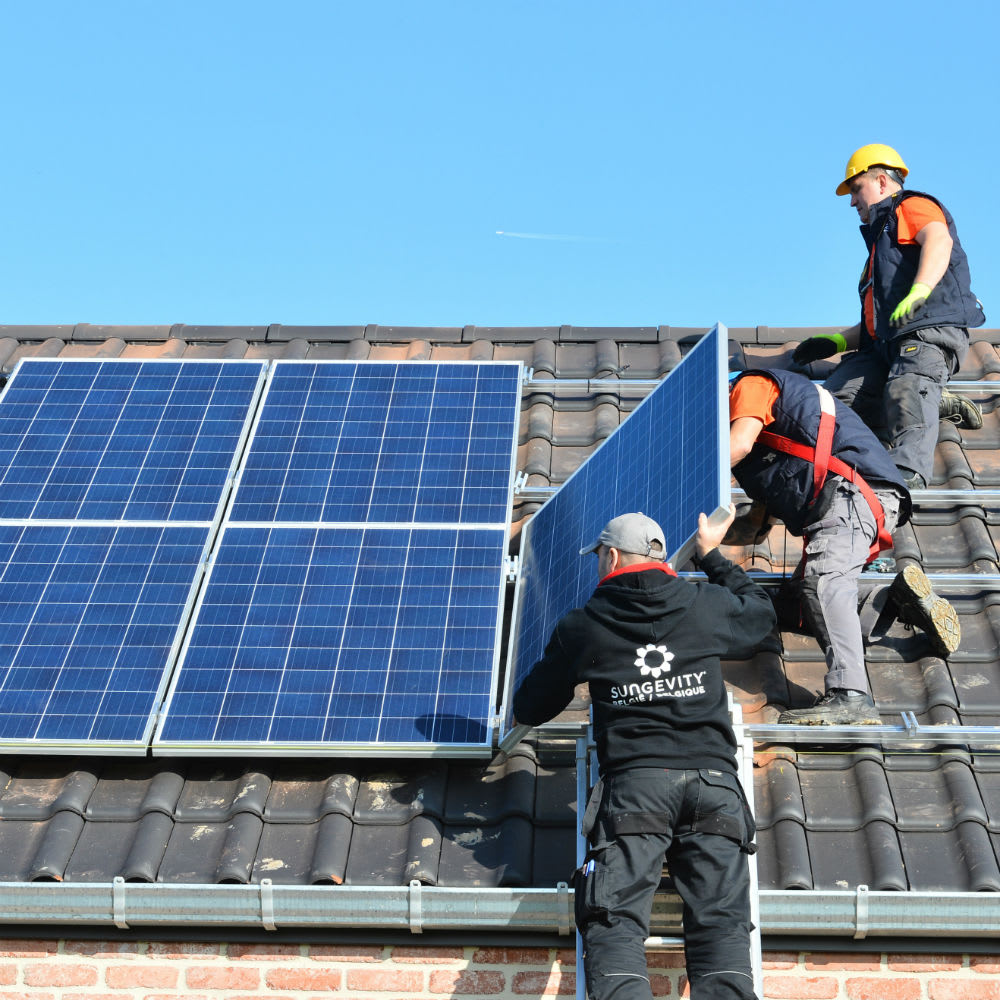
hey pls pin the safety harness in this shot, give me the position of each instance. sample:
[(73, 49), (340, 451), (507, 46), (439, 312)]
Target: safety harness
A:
[(824, 462)]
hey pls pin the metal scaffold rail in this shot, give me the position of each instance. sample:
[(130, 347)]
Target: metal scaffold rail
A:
[(640, 385), (909, 734), (539, 494)]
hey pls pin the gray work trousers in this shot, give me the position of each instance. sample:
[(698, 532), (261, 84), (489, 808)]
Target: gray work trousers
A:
[(836, 550), (895, 388)]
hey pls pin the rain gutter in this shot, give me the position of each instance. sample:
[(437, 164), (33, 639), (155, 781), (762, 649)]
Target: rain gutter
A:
[(129, 905)]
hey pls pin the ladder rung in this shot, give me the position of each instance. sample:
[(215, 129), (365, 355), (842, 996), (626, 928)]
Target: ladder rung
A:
[(665, 943)]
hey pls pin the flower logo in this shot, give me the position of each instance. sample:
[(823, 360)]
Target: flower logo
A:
[(653, 660)]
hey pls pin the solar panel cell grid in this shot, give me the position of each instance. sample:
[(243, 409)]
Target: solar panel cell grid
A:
[(382, 443), (326, 635), (88, 616), (299, 641), (121, 440)]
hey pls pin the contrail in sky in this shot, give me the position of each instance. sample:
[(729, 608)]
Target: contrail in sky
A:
[(548, 236)]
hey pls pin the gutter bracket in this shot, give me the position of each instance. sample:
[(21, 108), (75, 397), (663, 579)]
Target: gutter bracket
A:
[(267, 904), (416, 906), (118, 903), (861, 913), (565, 908)]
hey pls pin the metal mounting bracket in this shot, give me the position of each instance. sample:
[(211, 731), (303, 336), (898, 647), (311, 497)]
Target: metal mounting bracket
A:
[(416, 906), (118, 902)]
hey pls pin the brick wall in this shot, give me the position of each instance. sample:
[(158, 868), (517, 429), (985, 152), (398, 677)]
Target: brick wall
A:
[(95, 970)]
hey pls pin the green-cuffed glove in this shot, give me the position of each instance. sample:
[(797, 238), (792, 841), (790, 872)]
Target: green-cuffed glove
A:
[(904, 312), (823, 345)]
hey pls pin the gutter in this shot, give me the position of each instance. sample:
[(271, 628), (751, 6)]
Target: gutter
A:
[(854, 914)]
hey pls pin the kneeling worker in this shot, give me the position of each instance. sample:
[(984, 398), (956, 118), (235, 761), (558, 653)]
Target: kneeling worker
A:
[(816, 466), (649, 644)]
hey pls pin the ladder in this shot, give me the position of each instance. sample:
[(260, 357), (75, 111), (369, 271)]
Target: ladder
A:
[(666, 920)]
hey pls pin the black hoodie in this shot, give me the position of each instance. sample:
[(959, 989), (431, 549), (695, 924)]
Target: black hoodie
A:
[(649, 646)]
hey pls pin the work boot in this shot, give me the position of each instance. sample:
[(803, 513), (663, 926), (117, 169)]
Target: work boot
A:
[(914, 481), (960, 411), (920, 607), (838, 707)]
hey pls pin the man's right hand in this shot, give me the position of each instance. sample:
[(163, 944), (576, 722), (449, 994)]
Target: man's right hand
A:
[(710, 535), (823, 345)]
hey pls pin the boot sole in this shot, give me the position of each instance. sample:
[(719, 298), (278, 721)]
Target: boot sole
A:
[(802, 717), (933, 615), (867, 721)]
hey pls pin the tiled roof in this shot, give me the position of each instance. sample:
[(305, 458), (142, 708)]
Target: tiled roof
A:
[(926, 818)]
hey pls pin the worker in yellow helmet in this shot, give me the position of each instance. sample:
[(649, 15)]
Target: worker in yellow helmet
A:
[(916, 309)]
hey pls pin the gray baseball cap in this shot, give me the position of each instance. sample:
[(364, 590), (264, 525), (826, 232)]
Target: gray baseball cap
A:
[(633, 533)]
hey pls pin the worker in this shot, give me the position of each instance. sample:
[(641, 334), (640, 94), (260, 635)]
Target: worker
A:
[(916, 310), (649, 645), (815, 466)]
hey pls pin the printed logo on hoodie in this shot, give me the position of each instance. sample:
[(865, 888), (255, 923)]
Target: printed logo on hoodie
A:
[(654, 661)]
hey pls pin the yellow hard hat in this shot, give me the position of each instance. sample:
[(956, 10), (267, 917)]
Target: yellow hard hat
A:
[(872, 155)]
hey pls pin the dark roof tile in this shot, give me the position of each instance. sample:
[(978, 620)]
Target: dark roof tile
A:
[(215, 334), (280, 333), (219, 794), (493, 854), (19, 844)]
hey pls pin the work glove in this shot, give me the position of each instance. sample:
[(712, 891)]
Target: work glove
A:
[(823, 345), (913, 302)]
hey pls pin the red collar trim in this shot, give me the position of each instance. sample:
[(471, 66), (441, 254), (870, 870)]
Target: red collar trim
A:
[(639, 568)]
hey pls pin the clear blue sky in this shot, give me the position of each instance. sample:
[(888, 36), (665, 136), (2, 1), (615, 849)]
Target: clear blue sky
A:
[(371, 162)]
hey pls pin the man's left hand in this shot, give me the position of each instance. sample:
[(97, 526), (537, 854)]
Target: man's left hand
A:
[(906, 309)]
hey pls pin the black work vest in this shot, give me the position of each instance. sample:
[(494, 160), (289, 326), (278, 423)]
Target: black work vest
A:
[(783, 482), (951, 302)]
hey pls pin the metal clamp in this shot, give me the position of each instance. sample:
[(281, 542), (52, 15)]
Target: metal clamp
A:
[(267, 904), (861, 913), (118, 902), (565, 907), (416, 909)]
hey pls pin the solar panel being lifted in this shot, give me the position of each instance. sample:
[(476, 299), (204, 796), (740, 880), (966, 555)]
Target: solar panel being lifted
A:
[(354, 602), (668, 459)]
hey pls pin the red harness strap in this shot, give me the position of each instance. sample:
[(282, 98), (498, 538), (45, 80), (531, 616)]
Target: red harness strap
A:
[(823, 462)]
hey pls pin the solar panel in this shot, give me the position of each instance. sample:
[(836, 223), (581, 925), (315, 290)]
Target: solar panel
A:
[(121, 440), (382, 442), (310, 638), (355, 598), (112, 473), (668, 459), (89, 620)]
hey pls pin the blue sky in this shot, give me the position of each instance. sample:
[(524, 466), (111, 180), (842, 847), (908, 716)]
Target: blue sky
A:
[(497, 164)]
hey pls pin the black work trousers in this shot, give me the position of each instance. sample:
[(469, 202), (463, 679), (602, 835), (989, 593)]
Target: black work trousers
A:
[(698, 819)]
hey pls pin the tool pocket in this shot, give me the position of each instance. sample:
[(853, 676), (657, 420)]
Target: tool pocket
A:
[(590, 880), (723, 810)]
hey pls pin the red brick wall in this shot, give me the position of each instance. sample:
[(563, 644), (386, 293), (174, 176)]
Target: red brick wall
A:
[(96, 970)]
